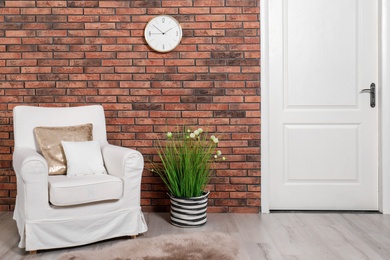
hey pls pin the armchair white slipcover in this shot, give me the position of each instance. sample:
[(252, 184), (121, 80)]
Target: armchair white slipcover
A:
[(42, 225)]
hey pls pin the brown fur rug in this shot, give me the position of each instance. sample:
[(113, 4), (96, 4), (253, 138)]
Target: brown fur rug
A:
[(194, 246)]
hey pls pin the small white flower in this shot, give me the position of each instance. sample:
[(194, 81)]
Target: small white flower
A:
[(216, 156), (169, 134), (200, 130), (192, 135), (223, 158), (152, 170), (219, 152), (188, 130), (215, 140), (196, 132), (212, 137)]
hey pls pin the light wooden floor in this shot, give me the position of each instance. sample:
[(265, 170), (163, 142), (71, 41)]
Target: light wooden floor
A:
[(313, 236)]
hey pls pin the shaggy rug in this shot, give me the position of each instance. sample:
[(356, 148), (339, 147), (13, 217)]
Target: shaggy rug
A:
[(195, 246)]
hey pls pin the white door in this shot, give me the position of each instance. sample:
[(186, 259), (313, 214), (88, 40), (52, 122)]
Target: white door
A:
[(323, 131)]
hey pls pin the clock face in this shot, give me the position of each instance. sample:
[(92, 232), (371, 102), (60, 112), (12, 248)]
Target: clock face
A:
[(163, 33)]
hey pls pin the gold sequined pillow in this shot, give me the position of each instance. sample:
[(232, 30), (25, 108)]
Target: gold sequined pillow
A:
[(49, 141)]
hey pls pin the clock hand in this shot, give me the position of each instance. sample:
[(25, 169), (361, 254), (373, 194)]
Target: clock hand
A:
[(169, 30), (158, 29)]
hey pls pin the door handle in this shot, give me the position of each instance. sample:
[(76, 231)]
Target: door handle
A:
[(370, 90)]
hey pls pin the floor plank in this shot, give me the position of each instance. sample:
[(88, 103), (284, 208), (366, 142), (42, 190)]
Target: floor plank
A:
[(269, 236)]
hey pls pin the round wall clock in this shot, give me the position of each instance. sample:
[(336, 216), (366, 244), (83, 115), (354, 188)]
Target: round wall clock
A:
[(163, 33)]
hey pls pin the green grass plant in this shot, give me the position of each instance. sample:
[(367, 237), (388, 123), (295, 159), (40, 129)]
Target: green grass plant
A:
[(186, 159)]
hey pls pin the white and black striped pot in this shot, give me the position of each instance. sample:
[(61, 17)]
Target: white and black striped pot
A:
[(189, 212)]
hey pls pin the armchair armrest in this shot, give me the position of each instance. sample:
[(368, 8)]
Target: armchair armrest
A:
[(122, 162), (32, 189), (29, 165)]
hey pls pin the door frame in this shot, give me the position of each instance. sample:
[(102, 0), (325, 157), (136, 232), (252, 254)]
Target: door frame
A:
[(383, 108)]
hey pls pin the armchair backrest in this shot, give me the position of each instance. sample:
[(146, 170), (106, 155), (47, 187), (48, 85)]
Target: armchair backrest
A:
[(26, 118)]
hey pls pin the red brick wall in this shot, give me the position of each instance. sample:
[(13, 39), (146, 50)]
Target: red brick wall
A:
[(71, 53)]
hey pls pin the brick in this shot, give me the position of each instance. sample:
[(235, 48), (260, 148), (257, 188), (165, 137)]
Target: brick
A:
[(21, 77), (68, 26), (83, 3), (124, 84), (84, 62), (9, 10), (131, 11), (241, 91), (36, 70), (46, 33), (37, 41), (82, 33), (116, 76), (99, 70), (210, 18), (186, 107), (51, 3), (49, 92), (22, 92), (81, 77), (230, 202), (244, 210), (36, 26), (52, 63), (10, 40), (9, 70), (19, 33), (68, 41), (114, 4), (227, 187), (147, 106), (71, 84), (17, 99), (39, 84), (52, 19), (19, 19), (164, 99), (209, 3), (101, 11), (83, 18), (145, 92), (211, 33), (244, 165), (10, 26), (67, 11), (115, 18), (39, 99), (37, 55), (226, 10), (194, 10), (197, 114), (38, 11)]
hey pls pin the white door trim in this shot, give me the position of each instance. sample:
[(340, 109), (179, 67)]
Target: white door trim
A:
[(384, 108)]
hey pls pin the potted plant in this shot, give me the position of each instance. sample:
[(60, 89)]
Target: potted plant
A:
[(186, 164)]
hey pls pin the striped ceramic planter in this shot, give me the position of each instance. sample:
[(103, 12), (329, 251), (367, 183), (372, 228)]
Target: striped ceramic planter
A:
[(189, 212)]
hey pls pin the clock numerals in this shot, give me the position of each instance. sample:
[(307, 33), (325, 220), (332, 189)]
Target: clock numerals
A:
[(163, 46), (177, 33), (150, 33), (163, 20)]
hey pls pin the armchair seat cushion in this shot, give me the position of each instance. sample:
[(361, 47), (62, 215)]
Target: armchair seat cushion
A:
[(67, 191)]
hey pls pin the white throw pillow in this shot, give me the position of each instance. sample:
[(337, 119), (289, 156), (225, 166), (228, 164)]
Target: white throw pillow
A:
[(83, 158)]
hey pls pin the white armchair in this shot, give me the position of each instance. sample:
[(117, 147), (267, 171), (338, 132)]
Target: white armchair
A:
[(43, 225)]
